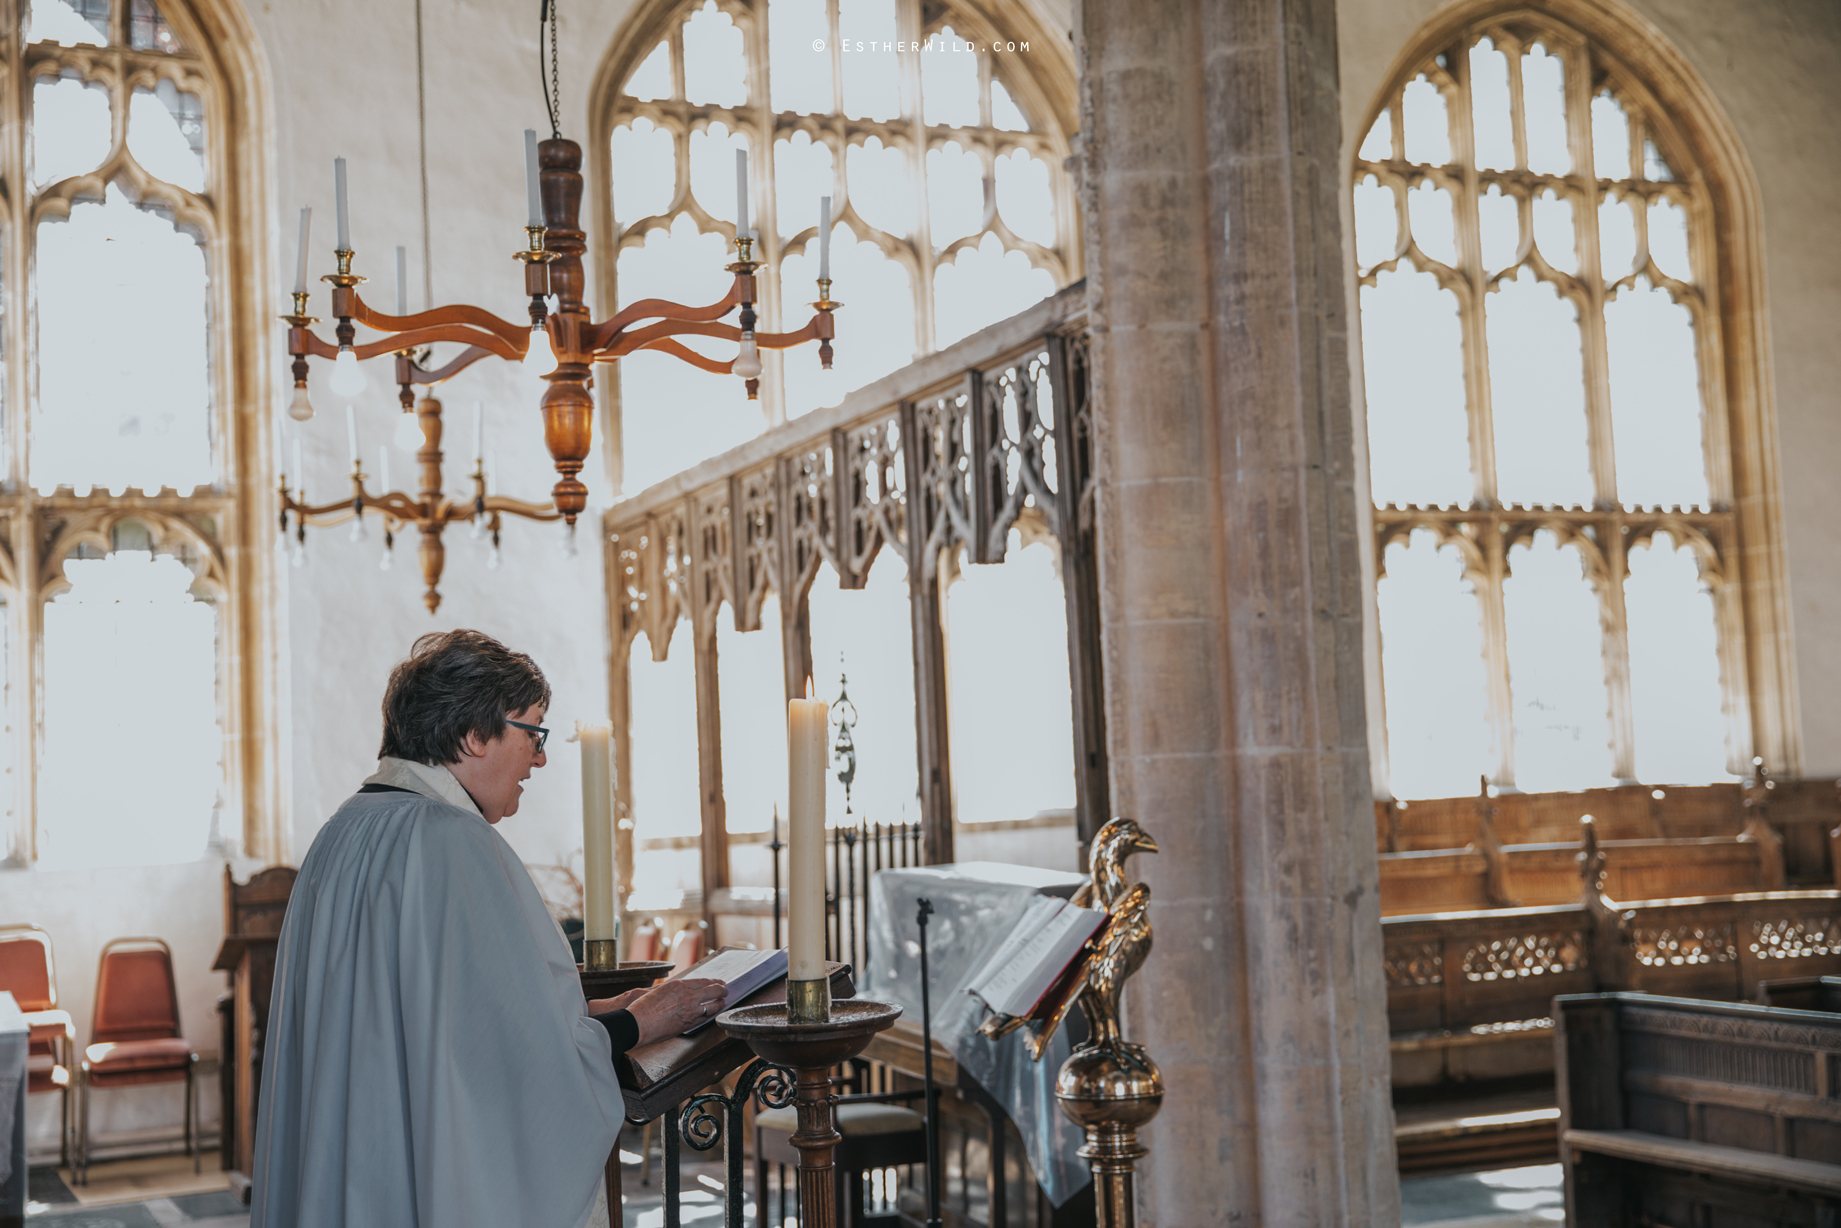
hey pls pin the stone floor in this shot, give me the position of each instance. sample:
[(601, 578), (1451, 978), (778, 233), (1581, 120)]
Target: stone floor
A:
[(1507, 1198)]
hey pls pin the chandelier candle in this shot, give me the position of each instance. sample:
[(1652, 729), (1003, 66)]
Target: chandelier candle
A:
[(741, 195), (600, 918), (808, 989), (402, 280), (532, 192), (824, 238), (344, 213), (300, 276)]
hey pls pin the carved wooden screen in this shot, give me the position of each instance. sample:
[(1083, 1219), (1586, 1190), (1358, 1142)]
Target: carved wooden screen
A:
[(1547, 426), (123, 289), (939, 137)]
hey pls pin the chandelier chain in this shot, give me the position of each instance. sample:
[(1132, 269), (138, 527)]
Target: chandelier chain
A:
[(552, 84)]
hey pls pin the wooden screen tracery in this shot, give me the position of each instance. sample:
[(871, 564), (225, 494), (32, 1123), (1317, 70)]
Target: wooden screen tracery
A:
[(840, 488), (1525, 198), (132, 387)]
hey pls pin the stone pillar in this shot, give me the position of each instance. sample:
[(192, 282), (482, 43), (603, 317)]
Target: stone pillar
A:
[(1231, 603)]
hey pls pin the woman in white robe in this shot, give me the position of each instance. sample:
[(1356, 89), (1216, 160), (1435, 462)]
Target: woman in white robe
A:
[(430, 1059)]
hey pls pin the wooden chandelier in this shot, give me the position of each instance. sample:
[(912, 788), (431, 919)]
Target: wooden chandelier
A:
[(553, 266)]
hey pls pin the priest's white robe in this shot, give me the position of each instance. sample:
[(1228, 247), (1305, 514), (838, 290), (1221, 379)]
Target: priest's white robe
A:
[(429, 1062)]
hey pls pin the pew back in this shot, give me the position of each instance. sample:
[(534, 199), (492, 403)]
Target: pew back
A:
[(1684, 1112)]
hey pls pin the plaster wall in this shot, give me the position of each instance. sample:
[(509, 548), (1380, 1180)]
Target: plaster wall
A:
[(1770, 64)]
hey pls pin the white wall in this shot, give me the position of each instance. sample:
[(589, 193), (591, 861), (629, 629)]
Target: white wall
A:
[(1771, 64)]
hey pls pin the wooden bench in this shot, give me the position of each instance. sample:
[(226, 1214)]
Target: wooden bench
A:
[(1803, 993), (1681, 1112), (1468, 993)]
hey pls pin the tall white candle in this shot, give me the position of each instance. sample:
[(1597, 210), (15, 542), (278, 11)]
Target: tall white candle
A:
[(351, 430), (806, 727), (345, 219), (824, 238), (741, 194), (479, 431), (532, 191), (300, 475), (383, 468), (300, 275), (599, 917), (402, 280)]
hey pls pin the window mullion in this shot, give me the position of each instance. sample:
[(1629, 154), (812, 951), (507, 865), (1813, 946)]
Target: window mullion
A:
[(767, 218), (1496, 646), (1616, 626), (1601, 438), (1476, 281), (908, 27)]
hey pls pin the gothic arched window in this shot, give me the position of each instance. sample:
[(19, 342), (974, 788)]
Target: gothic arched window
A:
[(1540, 249), (940, 138), (127, 285)]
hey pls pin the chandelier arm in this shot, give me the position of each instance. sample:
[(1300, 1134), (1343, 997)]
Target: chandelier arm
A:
[(461, 362), (642, 338), (649, 308), (458, 313), (517, 507), (310, 345), (785, 341), (323, 515), (665, 345), (441, 332)]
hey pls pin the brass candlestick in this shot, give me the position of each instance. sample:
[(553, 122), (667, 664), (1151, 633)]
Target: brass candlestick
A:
[(811, 1050)]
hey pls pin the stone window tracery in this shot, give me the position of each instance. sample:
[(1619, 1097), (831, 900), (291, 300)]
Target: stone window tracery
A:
[(121, 303), (1548, 437), (928, 130)]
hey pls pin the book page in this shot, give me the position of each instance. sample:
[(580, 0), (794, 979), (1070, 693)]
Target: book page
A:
[(1034, 917), (1076, 926), (1003, 988)]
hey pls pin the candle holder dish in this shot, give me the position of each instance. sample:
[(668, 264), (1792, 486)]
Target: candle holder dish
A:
[(811, 1050)]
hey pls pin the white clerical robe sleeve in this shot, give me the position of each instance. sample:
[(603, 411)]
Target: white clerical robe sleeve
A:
[(429, 1059)]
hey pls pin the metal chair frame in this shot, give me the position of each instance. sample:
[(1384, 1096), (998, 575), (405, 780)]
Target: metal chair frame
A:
[(191, 1068)]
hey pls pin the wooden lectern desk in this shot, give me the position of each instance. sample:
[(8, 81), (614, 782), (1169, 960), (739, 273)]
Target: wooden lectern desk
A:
[(253, 913)]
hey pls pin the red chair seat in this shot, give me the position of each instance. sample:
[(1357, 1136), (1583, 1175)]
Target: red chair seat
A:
[(122, 1062)]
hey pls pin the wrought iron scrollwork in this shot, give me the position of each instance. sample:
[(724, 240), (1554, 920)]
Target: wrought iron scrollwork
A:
[(710, 1118)]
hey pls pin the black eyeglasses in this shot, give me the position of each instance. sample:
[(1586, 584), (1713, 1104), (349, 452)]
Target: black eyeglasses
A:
[(538, 733)]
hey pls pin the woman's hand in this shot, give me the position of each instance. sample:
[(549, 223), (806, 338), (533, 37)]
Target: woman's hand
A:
[(667, 1009), (619, 1002)]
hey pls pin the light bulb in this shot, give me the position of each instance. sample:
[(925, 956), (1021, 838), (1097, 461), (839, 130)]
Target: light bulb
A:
[(747, 363), (358, 534), (539, 359), (409, 432), (347, 379), (300, 408)]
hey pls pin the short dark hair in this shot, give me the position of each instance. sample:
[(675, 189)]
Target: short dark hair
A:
[(451, 684)]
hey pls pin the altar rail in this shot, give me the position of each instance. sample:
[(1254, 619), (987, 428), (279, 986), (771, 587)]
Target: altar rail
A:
[(956, 450)]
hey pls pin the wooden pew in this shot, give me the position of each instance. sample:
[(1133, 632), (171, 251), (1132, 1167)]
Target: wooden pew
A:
[(1803, 993), (1681, 1112)]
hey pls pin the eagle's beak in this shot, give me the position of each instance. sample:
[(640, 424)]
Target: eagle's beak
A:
[(1142, 843)]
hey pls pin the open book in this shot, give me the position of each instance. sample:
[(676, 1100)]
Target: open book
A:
[(744, 971), (1034, 956)]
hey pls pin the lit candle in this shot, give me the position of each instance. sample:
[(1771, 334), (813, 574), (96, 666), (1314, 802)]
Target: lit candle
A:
[(383, 469), (532, 191), (824, 238), (806, 727), (600, 920), (345, 220), (300, 275), (741, 195), (351, 431), (402, 280), (479, 430)]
